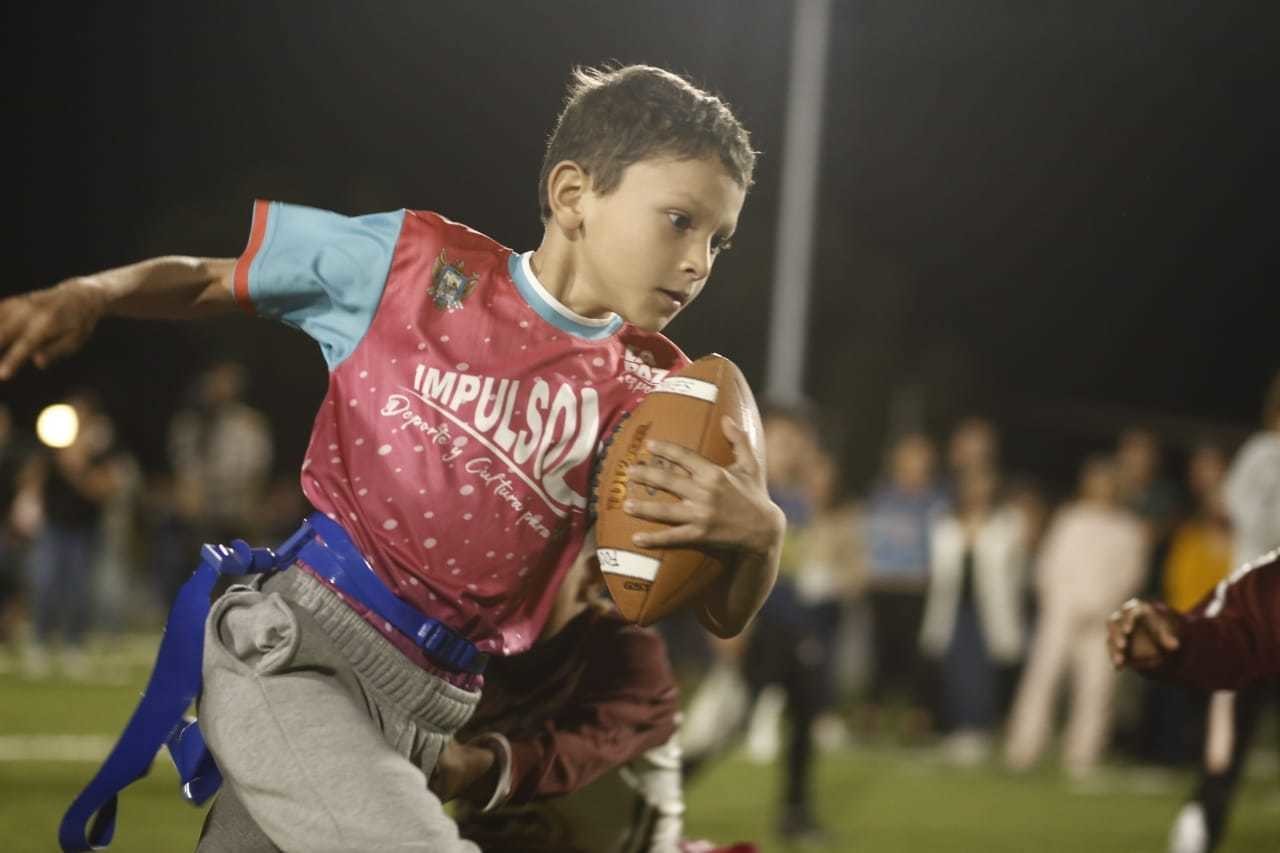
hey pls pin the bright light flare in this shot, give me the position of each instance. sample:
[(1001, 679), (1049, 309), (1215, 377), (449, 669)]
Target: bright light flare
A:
[(58, 425)]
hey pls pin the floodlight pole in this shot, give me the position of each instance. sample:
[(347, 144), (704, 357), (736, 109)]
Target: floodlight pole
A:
[(793, 256)]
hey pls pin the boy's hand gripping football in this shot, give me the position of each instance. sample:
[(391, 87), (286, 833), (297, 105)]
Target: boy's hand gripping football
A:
[(719, 507)]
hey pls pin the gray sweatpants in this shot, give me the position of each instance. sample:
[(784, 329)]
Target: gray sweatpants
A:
[(325, 733)]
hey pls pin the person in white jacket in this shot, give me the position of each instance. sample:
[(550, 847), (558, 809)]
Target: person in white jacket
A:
[(1093, 559), (973, 620)]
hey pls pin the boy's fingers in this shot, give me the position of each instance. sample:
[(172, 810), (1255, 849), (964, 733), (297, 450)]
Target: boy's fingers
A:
[(685, 534), (680, 485), (682, 456), (744, 456), (664, 511)]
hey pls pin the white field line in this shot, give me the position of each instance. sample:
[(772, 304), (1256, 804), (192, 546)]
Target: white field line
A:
[(89, 749)]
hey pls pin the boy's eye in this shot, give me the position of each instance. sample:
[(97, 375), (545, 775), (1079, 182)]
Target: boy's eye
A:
[(721, 244), (680, 221)]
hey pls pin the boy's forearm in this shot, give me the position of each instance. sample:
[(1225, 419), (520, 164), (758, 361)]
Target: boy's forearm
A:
[(734, 598), (172, 287)]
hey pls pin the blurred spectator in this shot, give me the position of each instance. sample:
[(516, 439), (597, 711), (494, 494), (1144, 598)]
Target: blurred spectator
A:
[(974, 446), (220, 453), (1200, 553), (791, 651), (973, 622), (1199, 556), (1092, 560), (118, 549), (831, 579), (221, 449), (719, 707), (283, 505), (1252, 495), (787, 663), (1026, 497), (1253, 486), (900, 512), (788, 654), (15, 464), (70, 487), (1145, 491)]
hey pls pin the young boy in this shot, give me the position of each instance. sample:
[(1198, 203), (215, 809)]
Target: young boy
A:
[(470, 388)]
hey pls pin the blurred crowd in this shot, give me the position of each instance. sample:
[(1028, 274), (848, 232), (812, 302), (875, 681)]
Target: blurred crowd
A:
[(959, 606), (89, 543), (955, 605)]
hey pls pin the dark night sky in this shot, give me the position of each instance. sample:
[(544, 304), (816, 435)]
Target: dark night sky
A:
[(1059, 214)]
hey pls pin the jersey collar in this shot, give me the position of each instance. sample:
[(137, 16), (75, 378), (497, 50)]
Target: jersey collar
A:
[(551, 309)]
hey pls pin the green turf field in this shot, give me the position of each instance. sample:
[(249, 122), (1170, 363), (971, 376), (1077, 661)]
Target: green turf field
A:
[(872, 798)]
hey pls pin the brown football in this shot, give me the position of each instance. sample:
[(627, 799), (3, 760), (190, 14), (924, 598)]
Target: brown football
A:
[(685, 409)]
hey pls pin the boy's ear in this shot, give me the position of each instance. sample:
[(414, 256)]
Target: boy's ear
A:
[(567, 184)]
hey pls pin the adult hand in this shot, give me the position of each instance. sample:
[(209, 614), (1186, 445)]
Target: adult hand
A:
[(465, 771), (1142, 635)]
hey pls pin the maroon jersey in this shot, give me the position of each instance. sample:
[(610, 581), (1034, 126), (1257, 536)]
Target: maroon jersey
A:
[(595, 696), (1233, 636)]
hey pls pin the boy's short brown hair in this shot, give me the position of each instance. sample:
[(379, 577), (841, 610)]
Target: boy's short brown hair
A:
[(614, 117)]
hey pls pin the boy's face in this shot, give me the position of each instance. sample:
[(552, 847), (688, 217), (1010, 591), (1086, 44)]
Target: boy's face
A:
[(648, 246)]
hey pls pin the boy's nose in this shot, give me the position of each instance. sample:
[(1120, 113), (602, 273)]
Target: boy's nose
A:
[(697, 263)]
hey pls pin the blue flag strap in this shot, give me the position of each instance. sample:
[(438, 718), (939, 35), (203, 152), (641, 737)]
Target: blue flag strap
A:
[(346, 569), (159, 721), (173, 686)]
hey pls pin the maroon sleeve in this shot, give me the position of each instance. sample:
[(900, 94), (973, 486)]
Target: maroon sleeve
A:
[(1233, 636), (625, 705)]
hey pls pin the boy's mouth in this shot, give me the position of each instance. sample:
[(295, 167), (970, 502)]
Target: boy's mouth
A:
[(674, 296)]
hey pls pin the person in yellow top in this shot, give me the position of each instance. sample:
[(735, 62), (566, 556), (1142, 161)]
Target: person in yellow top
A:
[(1200, 555)]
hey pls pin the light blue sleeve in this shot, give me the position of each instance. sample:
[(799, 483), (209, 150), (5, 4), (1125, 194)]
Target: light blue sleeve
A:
[(321, 272)]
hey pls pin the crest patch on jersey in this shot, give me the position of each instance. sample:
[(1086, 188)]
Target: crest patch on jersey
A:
[(450, 283)]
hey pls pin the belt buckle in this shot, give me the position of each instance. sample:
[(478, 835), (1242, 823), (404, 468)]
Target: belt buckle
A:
[(444, 646), (429, 635)]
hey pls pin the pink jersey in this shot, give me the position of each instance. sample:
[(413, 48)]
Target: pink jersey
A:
[(465, 407)]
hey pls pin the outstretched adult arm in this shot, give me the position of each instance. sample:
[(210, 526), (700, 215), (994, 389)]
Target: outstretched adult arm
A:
[(1230, 639)]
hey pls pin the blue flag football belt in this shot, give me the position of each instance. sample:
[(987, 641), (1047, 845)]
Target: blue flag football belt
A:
[(159, 721)]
